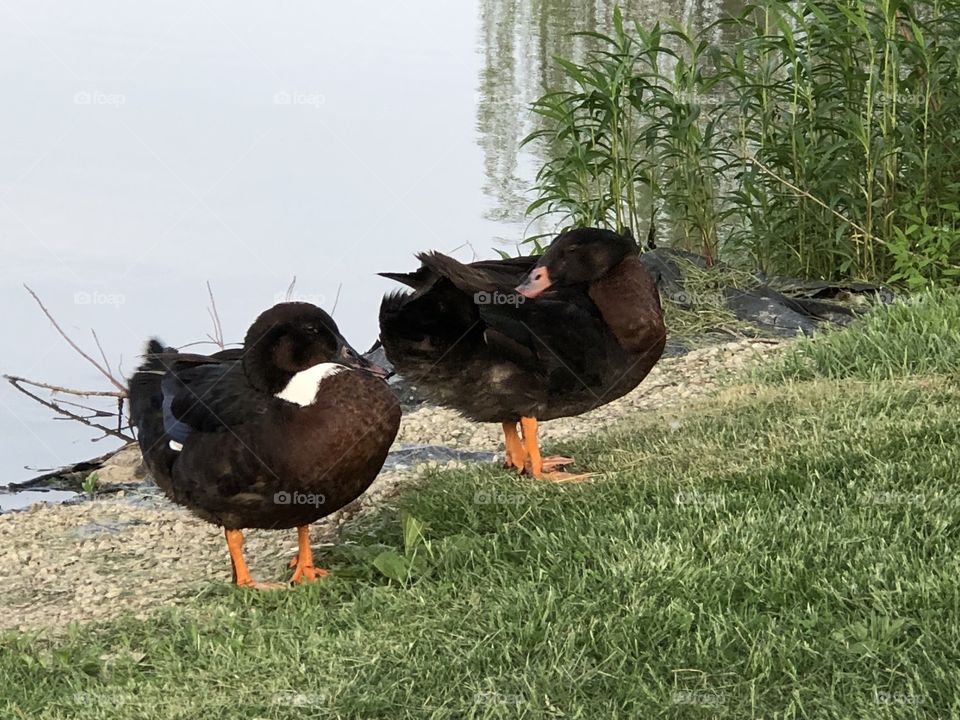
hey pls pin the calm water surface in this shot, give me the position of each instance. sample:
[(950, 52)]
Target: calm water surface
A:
[(148, 149)]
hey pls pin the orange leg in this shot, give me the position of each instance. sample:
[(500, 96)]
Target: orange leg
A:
[(516, 455), (534, 464), (241, 574), (304, 571), (538, 466)]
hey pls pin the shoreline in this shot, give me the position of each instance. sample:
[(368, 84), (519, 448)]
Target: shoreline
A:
[(137, 550)]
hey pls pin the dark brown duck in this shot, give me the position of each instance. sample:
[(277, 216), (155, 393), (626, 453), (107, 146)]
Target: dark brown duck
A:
[(278, 434), (521, 340)]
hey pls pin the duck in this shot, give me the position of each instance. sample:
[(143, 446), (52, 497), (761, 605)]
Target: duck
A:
[(274, 435), (523, 340)]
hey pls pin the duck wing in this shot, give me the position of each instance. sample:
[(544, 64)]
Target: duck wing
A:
[(482, 276), (209, 396), (559, 334), (174, 394)]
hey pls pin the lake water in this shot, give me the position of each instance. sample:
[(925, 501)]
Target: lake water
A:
[(148, 149)]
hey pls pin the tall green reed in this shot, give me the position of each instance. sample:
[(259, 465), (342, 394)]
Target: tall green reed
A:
[(817, 138)]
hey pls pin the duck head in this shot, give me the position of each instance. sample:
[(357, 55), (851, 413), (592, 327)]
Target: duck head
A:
[(578, 256), (292, 337)]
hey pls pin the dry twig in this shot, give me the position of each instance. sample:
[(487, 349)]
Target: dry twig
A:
[(103, 371), (217, 337)]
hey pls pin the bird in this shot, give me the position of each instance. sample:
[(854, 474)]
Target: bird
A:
[(519, 341), (274, 435)]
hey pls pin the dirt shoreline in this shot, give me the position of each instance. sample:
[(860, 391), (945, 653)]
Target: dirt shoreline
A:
[(131, 552)]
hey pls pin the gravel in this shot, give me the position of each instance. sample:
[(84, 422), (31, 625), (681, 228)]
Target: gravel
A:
[(130, 550)]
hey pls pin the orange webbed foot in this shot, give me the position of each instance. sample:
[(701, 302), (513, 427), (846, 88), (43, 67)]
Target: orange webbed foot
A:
[(556, 461), (251, 584), (543, 468), (241, 574), (308, 573), (565, 477), (302, 562)]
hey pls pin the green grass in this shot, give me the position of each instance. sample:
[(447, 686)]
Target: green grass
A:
[(787, 552), (916, 336)]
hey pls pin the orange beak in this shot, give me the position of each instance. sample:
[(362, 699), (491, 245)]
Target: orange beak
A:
[(537, 281)]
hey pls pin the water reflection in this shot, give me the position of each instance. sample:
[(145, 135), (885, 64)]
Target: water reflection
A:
[(519, 40), (149, 149)]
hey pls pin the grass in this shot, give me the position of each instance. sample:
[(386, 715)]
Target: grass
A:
[(786, 551), (916, 336)]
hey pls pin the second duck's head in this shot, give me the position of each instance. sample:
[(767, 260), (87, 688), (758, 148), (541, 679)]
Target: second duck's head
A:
[(578, 256), (292, 338)]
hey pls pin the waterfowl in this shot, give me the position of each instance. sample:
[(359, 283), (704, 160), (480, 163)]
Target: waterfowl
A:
[(277, 434), (521, 340)]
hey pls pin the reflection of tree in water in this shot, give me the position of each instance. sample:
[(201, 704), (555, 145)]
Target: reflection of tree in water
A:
[(519, 41)]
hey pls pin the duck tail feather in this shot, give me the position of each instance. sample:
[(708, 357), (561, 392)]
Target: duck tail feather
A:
[(464, 277)]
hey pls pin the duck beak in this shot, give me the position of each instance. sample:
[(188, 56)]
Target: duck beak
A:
[(376, 370), (351, 358), (537, 281)]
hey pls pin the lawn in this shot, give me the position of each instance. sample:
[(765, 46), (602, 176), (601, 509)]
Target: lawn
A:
[(787, 550)]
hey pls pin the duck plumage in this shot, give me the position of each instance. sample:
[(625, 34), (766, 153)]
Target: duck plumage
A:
[(471, 341), (278, 434)]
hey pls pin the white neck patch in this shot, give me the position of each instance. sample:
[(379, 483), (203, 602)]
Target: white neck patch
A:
[(304, 386)]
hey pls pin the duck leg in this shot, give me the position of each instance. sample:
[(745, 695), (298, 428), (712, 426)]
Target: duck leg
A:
[(516, 455), (241, 574), (302, 563), (544, 468)]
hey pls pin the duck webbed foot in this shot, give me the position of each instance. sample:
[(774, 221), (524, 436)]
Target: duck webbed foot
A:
[(545, 468), (555, 462), (241, 573), (302, 562)]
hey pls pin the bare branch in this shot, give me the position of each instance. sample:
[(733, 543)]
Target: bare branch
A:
[(290, 289), (103, 371), (804, 193), (13, 379), (103, 355), (336, 300), (15, 382), (207, 342), (217, 336)]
